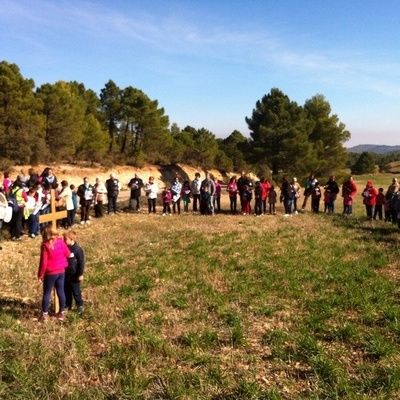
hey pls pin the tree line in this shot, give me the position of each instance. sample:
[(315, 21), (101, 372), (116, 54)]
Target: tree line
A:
[(370, 162), (66, 122)]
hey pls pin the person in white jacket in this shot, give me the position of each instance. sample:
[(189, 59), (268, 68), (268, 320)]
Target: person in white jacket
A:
[(3, 210), (195, 188), (151, 190)]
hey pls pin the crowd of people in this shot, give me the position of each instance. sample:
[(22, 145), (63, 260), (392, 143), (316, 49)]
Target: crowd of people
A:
[(30, 197)]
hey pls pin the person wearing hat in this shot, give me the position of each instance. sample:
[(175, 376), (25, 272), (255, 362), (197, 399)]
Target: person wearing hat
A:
[(369, 195)]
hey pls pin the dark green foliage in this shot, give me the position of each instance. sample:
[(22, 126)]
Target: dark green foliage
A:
[(364, 165), (21, 124), (65, 121), (327, 136), (291, 138), (279, 133), (233, 147)]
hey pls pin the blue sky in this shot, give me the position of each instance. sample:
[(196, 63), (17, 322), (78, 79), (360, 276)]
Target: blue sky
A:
[(208, 62)]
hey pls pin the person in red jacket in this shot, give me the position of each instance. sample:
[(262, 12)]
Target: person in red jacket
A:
[(369, 194), (54, 256), (349, 190)]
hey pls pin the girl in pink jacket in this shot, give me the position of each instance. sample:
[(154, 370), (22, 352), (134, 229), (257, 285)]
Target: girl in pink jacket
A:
[(54, 256)]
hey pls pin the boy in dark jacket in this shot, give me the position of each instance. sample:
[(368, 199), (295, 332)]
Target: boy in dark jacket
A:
[(74, 272)]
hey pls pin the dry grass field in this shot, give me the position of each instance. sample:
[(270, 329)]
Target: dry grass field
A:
[(224, 307)]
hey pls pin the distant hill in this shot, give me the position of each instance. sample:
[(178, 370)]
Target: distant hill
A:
[(373, 148)]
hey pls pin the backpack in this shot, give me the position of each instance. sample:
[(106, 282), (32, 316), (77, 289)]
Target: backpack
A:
[(12, 201)]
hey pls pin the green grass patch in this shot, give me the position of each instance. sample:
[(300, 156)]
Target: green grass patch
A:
[(229, 307)]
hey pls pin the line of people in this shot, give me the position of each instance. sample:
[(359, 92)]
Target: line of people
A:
[(32, 197), (205, 195)]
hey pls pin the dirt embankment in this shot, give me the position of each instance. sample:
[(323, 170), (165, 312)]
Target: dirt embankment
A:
[(163, 175)]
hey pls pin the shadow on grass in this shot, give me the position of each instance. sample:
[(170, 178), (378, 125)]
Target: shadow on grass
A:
[(370, 230), (17, 308)]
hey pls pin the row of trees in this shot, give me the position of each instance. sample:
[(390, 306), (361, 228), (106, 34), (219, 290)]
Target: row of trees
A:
[(368, 163), (65, 121)]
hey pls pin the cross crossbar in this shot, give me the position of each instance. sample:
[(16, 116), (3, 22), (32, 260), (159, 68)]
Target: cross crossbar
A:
[(54, 215)]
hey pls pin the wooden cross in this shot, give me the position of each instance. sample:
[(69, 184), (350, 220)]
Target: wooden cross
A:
[(54, 215)]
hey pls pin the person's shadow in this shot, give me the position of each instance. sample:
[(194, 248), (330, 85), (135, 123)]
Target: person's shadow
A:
[(18, 309)]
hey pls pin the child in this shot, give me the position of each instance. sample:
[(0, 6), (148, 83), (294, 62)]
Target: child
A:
[(205, 197), (74, 272), (75, 203), (327, 200), (185, 194), (315, 197), (166, 196), (233, 191), (380, 201), (246, 199), (31, 213), (217, 195), (258, 198), (53, 261), (347, 204), (272, 197), (7, 183)]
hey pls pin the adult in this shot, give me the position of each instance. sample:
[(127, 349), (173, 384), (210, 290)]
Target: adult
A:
[(308, 188), (48, 179), (17, 190), (286, 194), (66, 195), (266, 187), (176, 190), (85, 193), (3, 210), (113, 188), (241, 182), (44, 198), (135, 184), (151, 189), (349, 190), (100, 193), (369, 194), (333, 189), (232, 191), (397, 207), (195, 187), (391, 195), (209, 183), (296, 194)]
